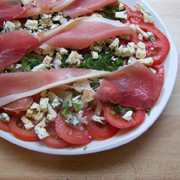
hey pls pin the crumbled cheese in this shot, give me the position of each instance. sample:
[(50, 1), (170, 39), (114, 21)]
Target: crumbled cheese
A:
[(47, 60), (94, 54), (121, 6), (44, 104), (121, 14), (39, 116), (140, 8), (63, 20), (74, 58), (57, 18), (153, 70), (114, 44), (73, 121), (27, 123), (51, 113), (147, 61), (57, 61), (96, 47), (151, 36), (145, 35), (40, 67), (99, 119), (128, 115), (131, 59), (17, 24), (140, 53), (35, 106), (124, 52), (41, 132), (140, 37), (29, 113), (148, 18), (4, 117), (62, 51), (141, 45), (31, 24), (54, 26), (8, 26)]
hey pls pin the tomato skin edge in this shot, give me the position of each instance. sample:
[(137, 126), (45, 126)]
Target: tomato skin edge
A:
[(117, 121), (105, 132), (19, 133), (55, 143)]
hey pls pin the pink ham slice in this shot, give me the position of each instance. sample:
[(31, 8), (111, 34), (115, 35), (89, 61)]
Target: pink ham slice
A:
[(44, 6), (18, 85), (9, 9), (133, 86), (14, 45), (83, 32), (19, 105), (81, 7)]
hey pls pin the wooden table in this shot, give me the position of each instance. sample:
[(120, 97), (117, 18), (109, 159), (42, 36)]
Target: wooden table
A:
[(154, 155)]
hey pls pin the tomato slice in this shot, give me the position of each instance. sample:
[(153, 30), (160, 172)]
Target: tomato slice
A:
[(4, 126), (21, 133), (98, 130), (54, 140), (116, 120), (159, 71), (157, 49), (71, 134)]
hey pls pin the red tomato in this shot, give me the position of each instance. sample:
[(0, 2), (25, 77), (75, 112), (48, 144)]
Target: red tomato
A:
[(159, 71), (54, 140), (98, 130), (21, 133), (4, 126), (71, 134), (116, 120), (157, 49), (133, 16)]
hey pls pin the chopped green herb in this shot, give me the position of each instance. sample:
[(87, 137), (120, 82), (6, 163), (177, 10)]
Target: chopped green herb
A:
[(77, 107), (65, 109), (148, 111), (28, 63), (104, 62), (112, 112), (118, 108), (85, 147)]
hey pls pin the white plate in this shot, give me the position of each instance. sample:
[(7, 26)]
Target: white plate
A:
[(124, 136)]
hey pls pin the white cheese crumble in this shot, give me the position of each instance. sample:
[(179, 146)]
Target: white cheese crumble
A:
[(128, 115), (99, 119), (4, 117), (74, 58), (31, 24), (121, 14), (27, 123)]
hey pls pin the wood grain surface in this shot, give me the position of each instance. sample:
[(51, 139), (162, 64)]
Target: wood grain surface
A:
[(154, 155)]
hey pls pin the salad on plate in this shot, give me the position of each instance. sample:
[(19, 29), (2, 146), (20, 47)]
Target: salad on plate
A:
[(72, 72)]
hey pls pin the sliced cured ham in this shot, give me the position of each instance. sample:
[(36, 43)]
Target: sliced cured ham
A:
[(9, 9), (81, 7), (83, 32), (14, 45), (18, 85), (44, 6), (19, 105), (133, 86)]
